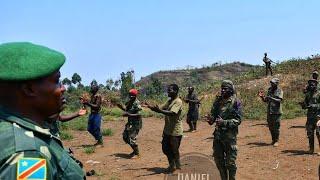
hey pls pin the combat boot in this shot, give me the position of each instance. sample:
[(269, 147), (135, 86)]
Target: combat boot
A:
[(178, 164), (171, 167), (99, 142), (135, 153), (311, 146)]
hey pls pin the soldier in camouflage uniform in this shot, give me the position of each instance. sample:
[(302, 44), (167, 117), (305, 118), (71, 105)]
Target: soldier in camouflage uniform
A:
[(193, 111), (134, 123), (274, 111), (312, 103), (30, 92), (226, 113)]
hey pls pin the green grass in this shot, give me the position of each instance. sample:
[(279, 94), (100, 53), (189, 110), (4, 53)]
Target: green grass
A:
[(89, 150), (64, 135), (107, 132)]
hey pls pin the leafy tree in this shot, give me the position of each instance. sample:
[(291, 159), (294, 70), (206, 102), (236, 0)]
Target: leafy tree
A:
[(127, 82), (76, 79), (66, 81), (109, 84)]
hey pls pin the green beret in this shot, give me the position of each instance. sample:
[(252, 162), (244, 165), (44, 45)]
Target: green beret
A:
[(26, 61), (227, 83)]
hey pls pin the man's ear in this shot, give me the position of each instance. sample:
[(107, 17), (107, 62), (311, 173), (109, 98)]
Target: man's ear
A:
[(29, 89)]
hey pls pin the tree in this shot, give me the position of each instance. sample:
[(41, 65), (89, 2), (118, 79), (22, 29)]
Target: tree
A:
[(109, 84), (66, 81), (76, 79), (127, 82)]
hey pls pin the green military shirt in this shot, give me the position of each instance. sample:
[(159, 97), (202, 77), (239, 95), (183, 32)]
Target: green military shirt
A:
[(173, 124), (134, 108), (231, 113), (273, 106), (312, 99), (29, 151)]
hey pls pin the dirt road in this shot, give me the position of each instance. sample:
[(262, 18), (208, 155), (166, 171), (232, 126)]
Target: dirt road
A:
[(257, 159)]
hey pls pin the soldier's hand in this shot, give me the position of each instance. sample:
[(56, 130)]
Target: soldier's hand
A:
[(261, 94), (219, 121), (82, 112), (318, 123), (209, 119)]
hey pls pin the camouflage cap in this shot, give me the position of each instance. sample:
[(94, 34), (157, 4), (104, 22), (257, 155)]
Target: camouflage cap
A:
[(227, 83), (26, 61), (275, 81)]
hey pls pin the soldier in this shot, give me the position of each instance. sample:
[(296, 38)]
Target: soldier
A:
[(134, 123), (268, 62), (30, 92), (312, 103), (193, 111), (226, 113), (274, 111), (314, 76), (173, 130), (94, 120)]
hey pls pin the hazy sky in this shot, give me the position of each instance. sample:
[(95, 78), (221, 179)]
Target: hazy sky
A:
[(103, 38)]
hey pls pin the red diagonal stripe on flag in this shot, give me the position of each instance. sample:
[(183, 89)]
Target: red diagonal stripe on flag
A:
[(32, 169)]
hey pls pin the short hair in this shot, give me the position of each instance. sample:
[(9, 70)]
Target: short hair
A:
[(174, 87)]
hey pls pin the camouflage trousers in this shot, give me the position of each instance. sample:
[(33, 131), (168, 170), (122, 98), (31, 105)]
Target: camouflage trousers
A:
[(311, 126), (274, 126), (129, 136), (225, 155)]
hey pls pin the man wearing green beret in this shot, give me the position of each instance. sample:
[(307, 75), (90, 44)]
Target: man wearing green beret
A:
[(312, 103), (227, 114), (274, 98), (30, 93)]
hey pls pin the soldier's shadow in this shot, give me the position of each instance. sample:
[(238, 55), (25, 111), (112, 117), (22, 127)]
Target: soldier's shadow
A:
[(259, 124), (302, 127), (258, 144), (153, 170), (122, 155), (295, 152)]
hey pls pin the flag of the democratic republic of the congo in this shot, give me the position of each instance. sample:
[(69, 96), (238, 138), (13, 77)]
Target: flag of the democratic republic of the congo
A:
[(31, 168)]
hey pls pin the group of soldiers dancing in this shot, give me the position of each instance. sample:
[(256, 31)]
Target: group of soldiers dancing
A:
[(31, 100)]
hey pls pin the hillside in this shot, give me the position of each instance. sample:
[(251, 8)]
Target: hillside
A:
[(195, 76)]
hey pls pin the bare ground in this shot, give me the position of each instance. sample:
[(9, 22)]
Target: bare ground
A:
[(257, 159)]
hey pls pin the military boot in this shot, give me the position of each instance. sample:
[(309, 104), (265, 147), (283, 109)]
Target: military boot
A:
[(178, 164), (99, 142), (135, 153), (171, 167)]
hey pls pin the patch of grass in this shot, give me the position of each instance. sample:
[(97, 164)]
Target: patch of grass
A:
[(107, 132), (79, 124), (65, 135), (89, 149)]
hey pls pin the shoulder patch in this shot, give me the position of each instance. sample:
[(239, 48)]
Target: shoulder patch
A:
[(31, 169)]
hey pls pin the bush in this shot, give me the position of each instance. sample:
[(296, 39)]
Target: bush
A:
[(89, 150), (64, 135), (107, 132)]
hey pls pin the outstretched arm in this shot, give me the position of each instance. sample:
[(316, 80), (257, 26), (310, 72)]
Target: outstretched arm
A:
[(65, 118)]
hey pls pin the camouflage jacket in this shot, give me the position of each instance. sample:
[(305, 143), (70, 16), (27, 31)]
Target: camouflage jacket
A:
[(273, 106), (230, 111), (312, 100), (134, 108), (31, 152)]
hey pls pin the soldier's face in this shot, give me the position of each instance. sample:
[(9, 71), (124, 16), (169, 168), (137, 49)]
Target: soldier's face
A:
[(190, 90), (171, 92), (312, 86), (94, 89), (49, 97), (273, 85), (226, 92)]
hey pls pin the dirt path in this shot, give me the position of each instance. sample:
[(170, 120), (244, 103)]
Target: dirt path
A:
[(256, 158)]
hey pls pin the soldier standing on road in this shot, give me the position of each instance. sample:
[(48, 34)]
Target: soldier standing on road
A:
[(226, 113), (314, 76), (134, 123), (94, 120), (312, 103), (30, 92), (267, 62), (173, 130), (193, 111), (274, 111)]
